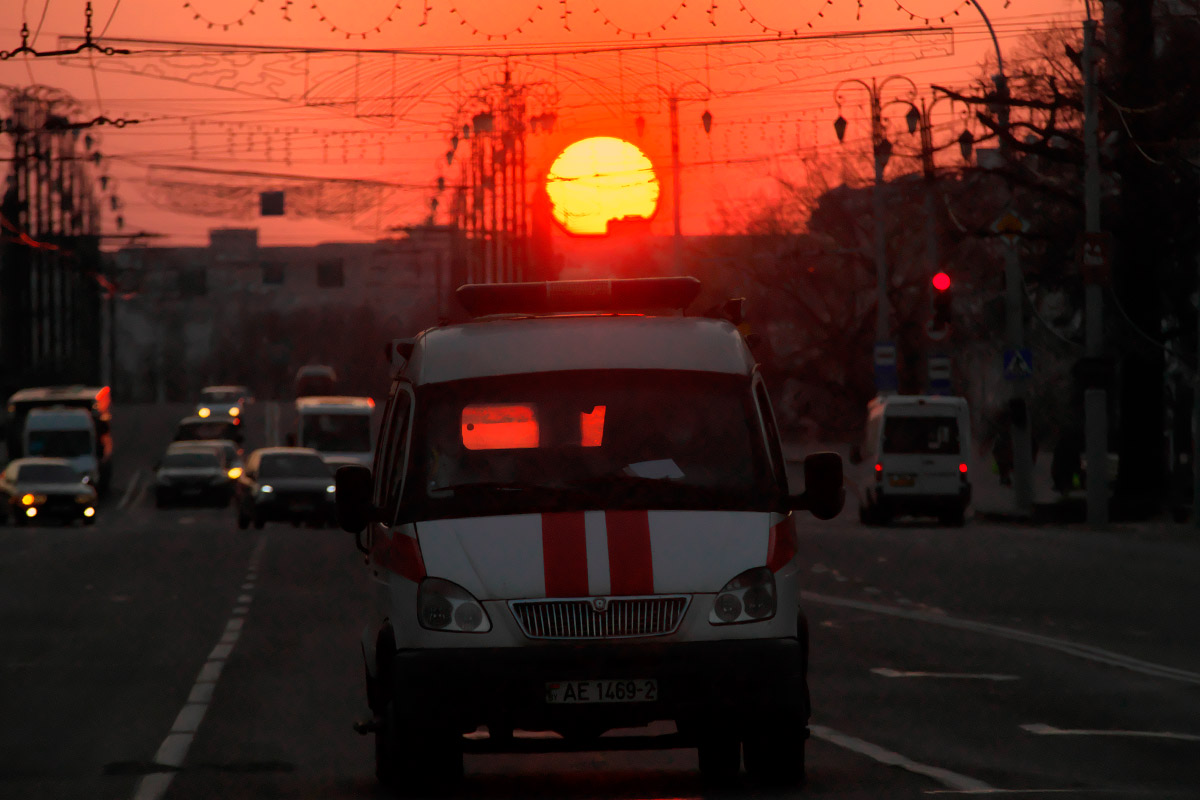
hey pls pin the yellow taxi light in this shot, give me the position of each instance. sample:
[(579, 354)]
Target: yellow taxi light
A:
[(233, 412), (204, 412), (89, 512), (234, 473)]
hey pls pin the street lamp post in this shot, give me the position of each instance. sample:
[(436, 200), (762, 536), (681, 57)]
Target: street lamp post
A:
[(882, 151), (673, 97)]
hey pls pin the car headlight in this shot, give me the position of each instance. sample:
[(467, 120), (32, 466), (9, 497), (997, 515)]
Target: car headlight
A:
[(204, 412), (446, 606), (750, 597), (30, 499), (234, 411), (331, 488), (89, 512), (266, 488)]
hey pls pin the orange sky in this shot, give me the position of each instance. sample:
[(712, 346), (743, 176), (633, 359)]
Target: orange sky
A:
[(386, 84)]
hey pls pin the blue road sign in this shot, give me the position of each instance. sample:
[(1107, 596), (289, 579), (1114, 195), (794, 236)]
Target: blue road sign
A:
[(1018, 364), (885, 367)]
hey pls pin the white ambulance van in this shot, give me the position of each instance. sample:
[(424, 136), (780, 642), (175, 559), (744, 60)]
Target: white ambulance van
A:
[(339, 428), (578, 520), (915, 459)]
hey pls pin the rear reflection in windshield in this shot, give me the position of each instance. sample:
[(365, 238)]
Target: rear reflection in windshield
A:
[(921, 435)]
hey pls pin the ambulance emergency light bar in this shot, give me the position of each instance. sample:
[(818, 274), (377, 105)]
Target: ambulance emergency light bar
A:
[(555, 297)]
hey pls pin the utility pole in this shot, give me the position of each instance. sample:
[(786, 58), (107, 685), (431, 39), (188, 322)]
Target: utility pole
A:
[(673, 105), (1095, 399), (1019, 417)]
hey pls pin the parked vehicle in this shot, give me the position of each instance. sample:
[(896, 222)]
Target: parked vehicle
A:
[(285, 484), (578, 519), (96, 400), (36, 490), (915, 459), (339, 428)]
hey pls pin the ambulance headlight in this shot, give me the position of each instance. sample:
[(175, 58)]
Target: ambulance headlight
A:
[(446, 606), (749, 597)]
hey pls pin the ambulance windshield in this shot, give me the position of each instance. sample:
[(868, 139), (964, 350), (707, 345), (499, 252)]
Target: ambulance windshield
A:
[(577, 440)]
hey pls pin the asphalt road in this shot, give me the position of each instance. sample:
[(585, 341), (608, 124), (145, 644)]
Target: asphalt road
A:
[(164, 653)]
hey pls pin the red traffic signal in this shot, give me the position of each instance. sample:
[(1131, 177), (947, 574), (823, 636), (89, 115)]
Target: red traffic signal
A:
[(941, 281)]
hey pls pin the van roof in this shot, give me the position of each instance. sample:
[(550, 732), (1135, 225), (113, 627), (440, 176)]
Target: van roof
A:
[(49, 394), (532, 344), (917, 400), (334, 403)]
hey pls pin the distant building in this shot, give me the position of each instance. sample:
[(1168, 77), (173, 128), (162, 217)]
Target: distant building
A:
[(237, 312)]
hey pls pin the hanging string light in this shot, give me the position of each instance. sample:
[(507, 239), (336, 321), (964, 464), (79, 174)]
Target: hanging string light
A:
[(199, 16), (335, 28), (477, 31), (660, 26), (778, 31)]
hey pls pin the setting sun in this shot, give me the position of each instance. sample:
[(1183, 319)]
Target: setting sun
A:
[(599, 179)]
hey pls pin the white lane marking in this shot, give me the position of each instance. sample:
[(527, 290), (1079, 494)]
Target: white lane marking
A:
[(189, 718), (887, 672), (951, 780), (1020, 791), (174, 748), (131, 491), (1085, 651), (244, 598), (1041, 729), (239, 610), (247, 587)]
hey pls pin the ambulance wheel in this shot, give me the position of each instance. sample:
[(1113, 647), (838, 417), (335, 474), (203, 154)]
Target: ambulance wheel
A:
[(776, 756), (410, 761), (720, 757)]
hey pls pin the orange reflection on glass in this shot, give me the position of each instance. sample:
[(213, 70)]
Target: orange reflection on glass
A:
[(499, 427), (591, 427)]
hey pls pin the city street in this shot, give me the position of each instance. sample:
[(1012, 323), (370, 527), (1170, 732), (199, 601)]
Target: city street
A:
[(165, 653)]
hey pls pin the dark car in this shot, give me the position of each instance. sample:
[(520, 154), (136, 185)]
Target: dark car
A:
[(285, 484), (201, 428), (45, 489), (192, 473)]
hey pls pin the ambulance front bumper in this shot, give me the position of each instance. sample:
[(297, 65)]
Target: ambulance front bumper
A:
[(698, 684)]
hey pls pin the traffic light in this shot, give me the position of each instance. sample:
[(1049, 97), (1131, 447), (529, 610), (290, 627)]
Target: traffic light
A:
[(943, 298)]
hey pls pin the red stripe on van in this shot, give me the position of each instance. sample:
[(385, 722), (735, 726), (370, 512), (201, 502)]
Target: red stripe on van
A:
[(630, 562), (564, 554), (782, 544), (400, 554)]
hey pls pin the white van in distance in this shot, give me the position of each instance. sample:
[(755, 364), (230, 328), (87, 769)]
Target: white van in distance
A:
[(579, 519), (915, 459), (68, 433), (339, 428)]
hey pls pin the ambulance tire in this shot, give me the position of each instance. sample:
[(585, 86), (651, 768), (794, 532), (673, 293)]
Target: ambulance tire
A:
[(720, 757), (409, 761), (776, 757)]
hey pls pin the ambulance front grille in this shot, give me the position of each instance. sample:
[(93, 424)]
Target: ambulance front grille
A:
[(579, 618)]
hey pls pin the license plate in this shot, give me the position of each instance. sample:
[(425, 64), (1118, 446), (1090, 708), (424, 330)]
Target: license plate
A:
[(639, 690), (902, 480)]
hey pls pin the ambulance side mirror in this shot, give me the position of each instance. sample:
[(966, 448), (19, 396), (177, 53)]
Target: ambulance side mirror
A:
[(354, 507), (823, 495)]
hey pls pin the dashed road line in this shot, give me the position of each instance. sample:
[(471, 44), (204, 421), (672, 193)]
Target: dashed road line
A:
[(1041, 729), (887, 672), (174, 749), (947, 778), (131, 491), (1085, 651)]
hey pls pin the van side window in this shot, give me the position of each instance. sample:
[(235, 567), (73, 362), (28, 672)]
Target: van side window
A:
[(391, 480), (382, 443), (774, 448)]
